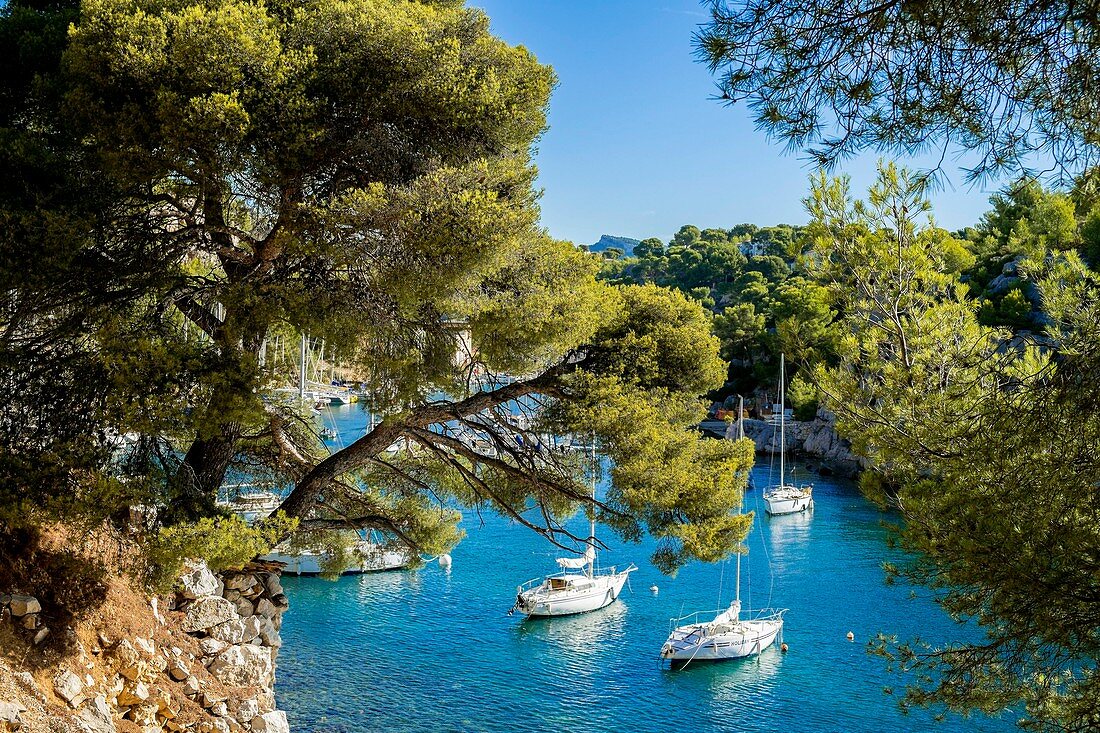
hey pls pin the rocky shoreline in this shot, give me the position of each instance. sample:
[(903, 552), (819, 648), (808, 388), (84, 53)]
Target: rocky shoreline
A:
[(815, 440)]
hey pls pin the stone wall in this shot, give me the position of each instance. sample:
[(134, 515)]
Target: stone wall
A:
[(209, 666)]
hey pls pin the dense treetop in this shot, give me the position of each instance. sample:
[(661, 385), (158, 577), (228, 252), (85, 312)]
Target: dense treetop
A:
[(194, 182)]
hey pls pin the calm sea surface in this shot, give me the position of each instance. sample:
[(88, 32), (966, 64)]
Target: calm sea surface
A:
[(433, 650)]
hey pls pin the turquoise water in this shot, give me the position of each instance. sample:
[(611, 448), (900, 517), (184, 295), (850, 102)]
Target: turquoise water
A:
[(433, 650)]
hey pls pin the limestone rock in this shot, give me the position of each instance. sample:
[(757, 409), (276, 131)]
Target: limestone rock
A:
[(191, 686), (207, 612), (197, 581), (41, 635), (274, 587), (22, 605), (247, 710), (133, 694), (268, 635), (219, 708), (252, 626), (145, 715), (273, 722), (212, 647), (30, 621), (95, 717), (230, 632), (238, 582), (69, 688), (266, 700), (245, 665), (209, 699), (9, 715), (178, 669), (145, 645), (244, 607), (265, 608)]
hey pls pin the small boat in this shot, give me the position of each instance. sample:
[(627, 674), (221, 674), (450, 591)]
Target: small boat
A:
[(785, 498), (569, 593), (253, 505), (369, 557), (580, 587)]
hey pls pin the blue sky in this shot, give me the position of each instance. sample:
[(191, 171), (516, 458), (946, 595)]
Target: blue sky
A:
[(637, 146)]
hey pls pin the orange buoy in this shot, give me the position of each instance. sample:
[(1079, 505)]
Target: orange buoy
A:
[(783, 647)]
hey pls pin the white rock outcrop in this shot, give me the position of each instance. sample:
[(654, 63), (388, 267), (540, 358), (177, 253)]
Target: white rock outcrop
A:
[(95, 717), (273, 722), (244, 665), (207, 612), (197, 581)]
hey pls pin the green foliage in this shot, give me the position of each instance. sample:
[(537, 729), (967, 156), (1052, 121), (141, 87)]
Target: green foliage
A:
[(638, 393), (223, 542), (208, 178), (982, 446), (803, 397), (834, 82)]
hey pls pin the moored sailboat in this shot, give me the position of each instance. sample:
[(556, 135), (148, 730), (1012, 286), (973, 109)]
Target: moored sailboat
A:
[(579, 587), (726, 635), (785, 498)]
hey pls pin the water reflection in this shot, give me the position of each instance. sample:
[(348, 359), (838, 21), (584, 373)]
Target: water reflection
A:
[(787, 530), (386, 585), (580, 632)]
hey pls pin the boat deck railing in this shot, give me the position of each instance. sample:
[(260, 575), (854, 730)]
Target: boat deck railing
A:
[(535, 582), (693, 619)]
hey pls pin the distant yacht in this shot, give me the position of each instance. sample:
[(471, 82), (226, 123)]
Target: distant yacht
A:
[(368, 557), (582, 590), (252, 505), (785, 498)]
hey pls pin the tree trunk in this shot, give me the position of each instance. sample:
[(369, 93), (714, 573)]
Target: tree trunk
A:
[(203, 471)]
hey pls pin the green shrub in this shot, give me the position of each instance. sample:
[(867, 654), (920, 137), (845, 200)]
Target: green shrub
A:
[(223, 542)]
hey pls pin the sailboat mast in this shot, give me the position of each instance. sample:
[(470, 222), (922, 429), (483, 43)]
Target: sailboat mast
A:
[(592, 516), (740, 504), (302, 371), (782, 416)]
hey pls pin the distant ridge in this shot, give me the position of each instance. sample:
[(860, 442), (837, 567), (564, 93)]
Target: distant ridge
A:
[(626, 244)]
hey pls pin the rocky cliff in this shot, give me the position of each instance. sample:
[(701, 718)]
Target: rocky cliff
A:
[(201, 659), (816, 440)]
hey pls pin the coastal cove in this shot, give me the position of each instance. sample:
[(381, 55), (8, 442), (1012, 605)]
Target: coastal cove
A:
[(434, 650)]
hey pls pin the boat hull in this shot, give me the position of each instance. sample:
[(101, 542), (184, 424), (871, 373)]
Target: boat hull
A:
[(310, 563), (787, 505), (692, 644), (606, 589)]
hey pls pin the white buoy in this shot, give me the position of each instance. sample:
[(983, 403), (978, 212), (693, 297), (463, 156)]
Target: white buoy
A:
[(653, 589), (851, 636), (444, 561)]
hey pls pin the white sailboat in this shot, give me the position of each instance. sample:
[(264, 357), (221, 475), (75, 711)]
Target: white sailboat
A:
[(726, 635), (584, 589), (785, 498)]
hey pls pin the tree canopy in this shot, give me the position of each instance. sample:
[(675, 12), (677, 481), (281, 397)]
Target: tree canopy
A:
[(1012, 82), (198, 180), (979, 440)]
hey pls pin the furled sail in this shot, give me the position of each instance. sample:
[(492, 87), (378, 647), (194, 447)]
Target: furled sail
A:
[(575, 563)]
